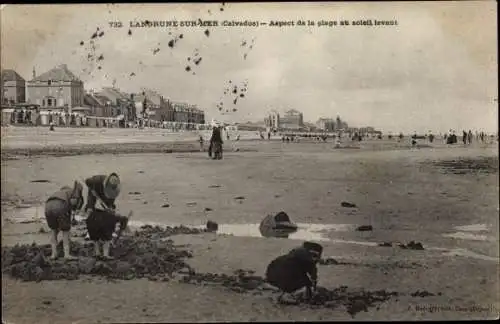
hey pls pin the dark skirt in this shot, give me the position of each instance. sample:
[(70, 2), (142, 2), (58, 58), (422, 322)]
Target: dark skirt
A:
[(287, 274), (101, 225), (58, 215)]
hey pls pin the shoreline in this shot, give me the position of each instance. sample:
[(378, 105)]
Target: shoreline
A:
[(37, 228), (191, 146)]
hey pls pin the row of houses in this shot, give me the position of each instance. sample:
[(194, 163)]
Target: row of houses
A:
[(293, 120), (59, 90), (331, 125), (290, 120)]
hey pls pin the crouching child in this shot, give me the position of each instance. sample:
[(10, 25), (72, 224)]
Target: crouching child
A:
[(59, 209), (101, 209), (296, 270)]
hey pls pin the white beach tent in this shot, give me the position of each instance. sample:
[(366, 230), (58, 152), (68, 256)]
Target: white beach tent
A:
[(7, 115)]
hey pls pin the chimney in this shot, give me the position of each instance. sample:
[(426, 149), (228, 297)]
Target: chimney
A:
[(34, 72)]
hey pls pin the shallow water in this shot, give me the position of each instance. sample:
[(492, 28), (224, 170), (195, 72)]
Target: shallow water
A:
[(463, 232), (305, 232), (472, 228), (469, 236)]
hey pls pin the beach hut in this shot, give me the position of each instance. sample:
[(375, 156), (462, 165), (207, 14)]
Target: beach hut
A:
[(78, 113), (44, 118), (7, 116)]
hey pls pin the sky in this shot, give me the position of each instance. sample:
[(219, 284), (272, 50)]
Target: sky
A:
[(435, 70)]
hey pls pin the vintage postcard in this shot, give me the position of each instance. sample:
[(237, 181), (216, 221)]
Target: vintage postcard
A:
[(196, 162)]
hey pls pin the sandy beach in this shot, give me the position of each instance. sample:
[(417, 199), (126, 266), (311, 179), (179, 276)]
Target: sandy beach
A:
[(445, 197)]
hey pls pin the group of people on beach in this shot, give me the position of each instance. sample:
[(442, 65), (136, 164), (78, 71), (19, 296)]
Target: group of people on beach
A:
[(467, 137), (102, 217), (289, 272)]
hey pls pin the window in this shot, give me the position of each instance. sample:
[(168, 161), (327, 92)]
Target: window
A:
[(49, 82), (49, 102)]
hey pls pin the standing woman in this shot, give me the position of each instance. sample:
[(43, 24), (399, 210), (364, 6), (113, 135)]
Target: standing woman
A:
[(216, 138)]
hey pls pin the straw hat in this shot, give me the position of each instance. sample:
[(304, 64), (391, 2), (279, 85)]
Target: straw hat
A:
[(111, 186)]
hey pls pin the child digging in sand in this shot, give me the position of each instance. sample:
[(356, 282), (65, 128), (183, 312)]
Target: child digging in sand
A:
[(59, 208), (102, 217), (295, 270)]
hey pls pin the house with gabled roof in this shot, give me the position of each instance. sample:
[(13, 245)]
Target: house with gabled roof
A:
[(56, 89), (122, 103), (187, 113), (98, 105), (158, 107), (13, 87)]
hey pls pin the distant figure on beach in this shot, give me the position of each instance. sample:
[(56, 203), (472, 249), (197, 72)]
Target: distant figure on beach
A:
[(401, 136), (431, 137), (452, 138), (201, 142), (268, 135), (59, 209), (464, 137), (295, 270), (216, 138), (337, 142), (469, 137), (51, 127), (101, 209)]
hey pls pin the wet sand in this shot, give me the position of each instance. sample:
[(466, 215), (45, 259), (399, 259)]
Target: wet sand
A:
[(398, 190)]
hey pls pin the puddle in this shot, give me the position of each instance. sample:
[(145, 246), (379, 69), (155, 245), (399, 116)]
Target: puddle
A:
[(354, 242), (462, 252), (470, 254), (469, 236), (472, 228), (463, 232), (312, 232)]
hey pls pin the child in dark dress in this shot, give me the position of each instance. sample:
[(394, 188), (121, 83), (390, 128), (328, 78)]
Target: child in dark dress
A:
[(101, 208), (295, 270)]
